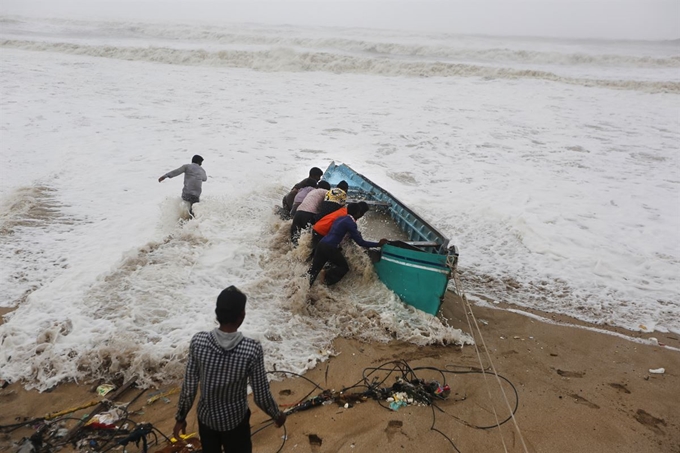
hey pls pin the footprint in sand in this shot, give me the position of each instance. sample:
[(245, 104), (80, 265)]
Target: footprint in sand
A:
[(393, 427), (650, 421), (581, 400), (315, 442), (570, 374), (620, 387)]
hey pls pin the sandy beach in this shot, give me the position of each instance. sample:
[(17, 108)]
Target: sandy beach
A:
[(578, 389)]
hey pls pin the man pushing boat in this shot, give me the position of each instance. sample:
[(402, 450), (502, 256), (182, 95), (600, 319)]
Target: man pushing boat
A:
[(328, 249)]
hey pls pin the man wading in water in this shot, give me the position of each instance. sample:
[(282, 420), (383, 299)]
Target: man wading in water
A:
[(194, 176)]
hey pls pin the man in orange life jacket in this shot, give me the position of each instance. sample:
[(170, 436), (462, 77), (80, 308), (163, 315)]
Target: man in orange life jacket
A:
[(328, 249)]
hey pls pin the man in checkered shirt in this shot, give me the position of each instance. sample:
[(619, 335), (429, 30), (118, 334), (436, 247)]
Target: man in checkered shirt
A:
[(221, 362)]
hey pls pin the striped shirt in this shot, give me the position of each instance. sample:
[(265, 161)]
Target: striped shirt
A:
[(223, 376)]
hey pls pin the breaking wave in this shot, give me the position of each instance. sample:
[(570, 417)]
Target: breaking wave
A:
[(286, 59), (375, 42), (36, 209)]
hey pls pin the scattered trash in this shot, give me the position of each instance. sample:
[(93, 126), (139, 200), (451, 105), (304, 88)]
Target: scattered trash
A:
[(104, 389), (653, 340), (183, 437), (483, 321), (658, 371), (107, 418), (158, 396), (395, 405), (27, 447), (188, 444)]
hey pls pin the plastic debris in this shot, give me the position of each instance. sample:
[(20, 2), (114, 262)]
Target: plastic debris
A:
[(107, 418), (104, 389), (658, 371), (27, 447), (158, 396), (399, 400)]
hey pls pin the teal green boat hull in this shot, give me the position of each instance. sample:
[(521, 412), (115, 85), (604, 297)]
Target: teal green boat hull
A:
[(419, 269), (418, 278)]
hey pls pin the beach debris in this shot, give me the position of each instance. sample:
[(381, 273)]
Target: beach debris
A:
[(107, 418), (657, 371), (140, 433), (3, 384), (28, 446), (52, 415), (183, 437), (402, 393), (398, 400), (653, 340), (483, 322), (162, 395), (102, 405), (104, 389)]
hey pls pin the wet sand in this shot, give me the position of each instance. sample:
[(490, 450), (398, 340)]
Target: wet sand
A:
[(579, 390)]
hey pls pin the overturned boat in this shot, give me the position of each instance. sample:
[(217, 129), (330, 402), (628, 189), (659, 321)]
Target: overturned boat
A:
[(419, 263)]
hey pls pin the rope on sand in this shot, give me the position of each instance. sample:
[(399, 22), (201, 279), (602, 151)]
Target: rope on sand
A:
[(467, 308)]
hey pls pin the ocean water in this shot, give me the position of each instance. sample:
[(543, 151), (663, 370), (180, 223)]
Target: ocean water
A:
[(552, 164)]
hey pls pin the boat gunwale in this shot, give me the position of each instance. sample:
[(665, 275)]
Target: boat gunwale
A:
[(442, 249)]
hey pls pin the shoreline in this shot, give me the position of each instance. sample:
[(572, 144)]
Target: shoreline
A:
[(579, 389)]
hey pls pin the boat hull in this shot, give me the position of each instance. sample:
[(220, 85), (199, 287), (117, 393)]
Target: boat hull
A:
[(418, 270), (419, 278)]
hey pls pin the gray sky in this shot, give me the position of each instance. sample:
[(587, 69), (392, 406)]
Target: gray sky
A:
[(614, 19)]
